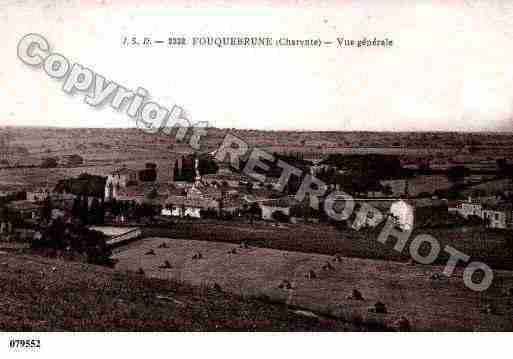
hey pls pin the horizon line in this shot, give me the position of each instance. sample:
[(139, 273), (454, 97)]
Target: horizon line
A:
[(496, 132)]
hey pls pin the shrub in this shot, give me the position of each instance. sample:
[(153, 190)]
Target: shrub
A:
[(49, 162), (280, 216)]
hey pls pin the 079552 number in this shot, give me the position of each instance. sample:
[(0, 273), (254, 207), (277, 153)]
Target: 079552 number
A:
[(24, 343)]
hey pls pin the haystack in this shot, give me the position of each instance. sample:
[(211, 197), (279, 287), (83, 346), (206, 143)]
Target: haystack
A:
[(380, 308), (310, 275), (166, 265), (402, 324), (327, 266), (285, 284), (356, 295), (488, 309)]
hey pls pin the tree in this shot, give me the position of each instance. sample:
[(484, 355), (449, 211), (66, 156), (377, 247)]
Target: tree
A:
[(46, 210), (77, 239), (4, 213), (177, 176), (254, 211), (145, 210), (478, 192), (207, 165), (208, 213), (502, 165), (97, 212), (84, 212), (148, 175), (49, 162), (75, 160), (96, 248), (456, 174), (280, 216), (77, 207), (387, 190), (152, 194)]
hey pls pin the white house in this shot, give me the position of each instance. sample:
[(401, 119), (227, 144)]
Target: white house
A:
[(496, 215), (26, 209), (38, 195), (404, 214), (190, 205), (181, 206), (118, 179), (271, 206)]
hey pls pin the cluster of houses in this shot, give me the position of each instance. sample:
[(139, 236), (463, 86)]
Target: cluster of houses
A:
[(30, 208), (230, 192), (494, 213), (182, 199)]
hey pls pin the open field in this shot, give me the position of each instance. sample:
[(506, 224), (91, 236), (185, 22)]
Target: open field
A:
[(110, 145), (407, 290), (40, 294), (34, 177), (104, 150), (492, 247)]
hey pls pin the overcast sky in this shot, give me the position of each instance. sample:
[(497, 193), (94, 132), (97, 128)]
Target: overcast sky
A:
[(450, 68)]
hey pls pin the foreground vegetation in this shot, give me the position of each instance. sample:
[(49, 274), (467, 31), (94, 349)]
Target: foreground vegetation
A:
[(40, 294)]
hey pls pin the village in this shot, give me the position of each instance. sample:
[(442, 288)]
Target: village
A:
[(201, 188), (190, 217)]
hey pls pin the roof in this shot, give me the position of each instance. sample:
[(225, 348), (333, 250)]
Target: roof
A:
[(123, 170), (225, 177), (84, 184), (131, 192), (282, 202), (499, 207), (210, 191), (207, 192), (23, 206), (235, 202), (179, 201), (249, 198), (453, 204), (39, 190), (142, 189), (62, 196)]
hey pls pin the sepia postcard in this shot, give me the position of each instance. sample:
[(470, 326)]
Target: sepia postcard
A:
[(191, 166)]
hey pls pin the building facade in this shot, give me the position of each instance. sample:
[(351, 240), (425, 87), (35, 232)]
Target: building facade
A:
[(117, 180)]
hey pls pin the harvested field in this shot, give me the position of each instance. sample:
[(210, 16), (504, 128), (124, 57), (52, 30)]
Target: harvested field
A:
[(406, 290)]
